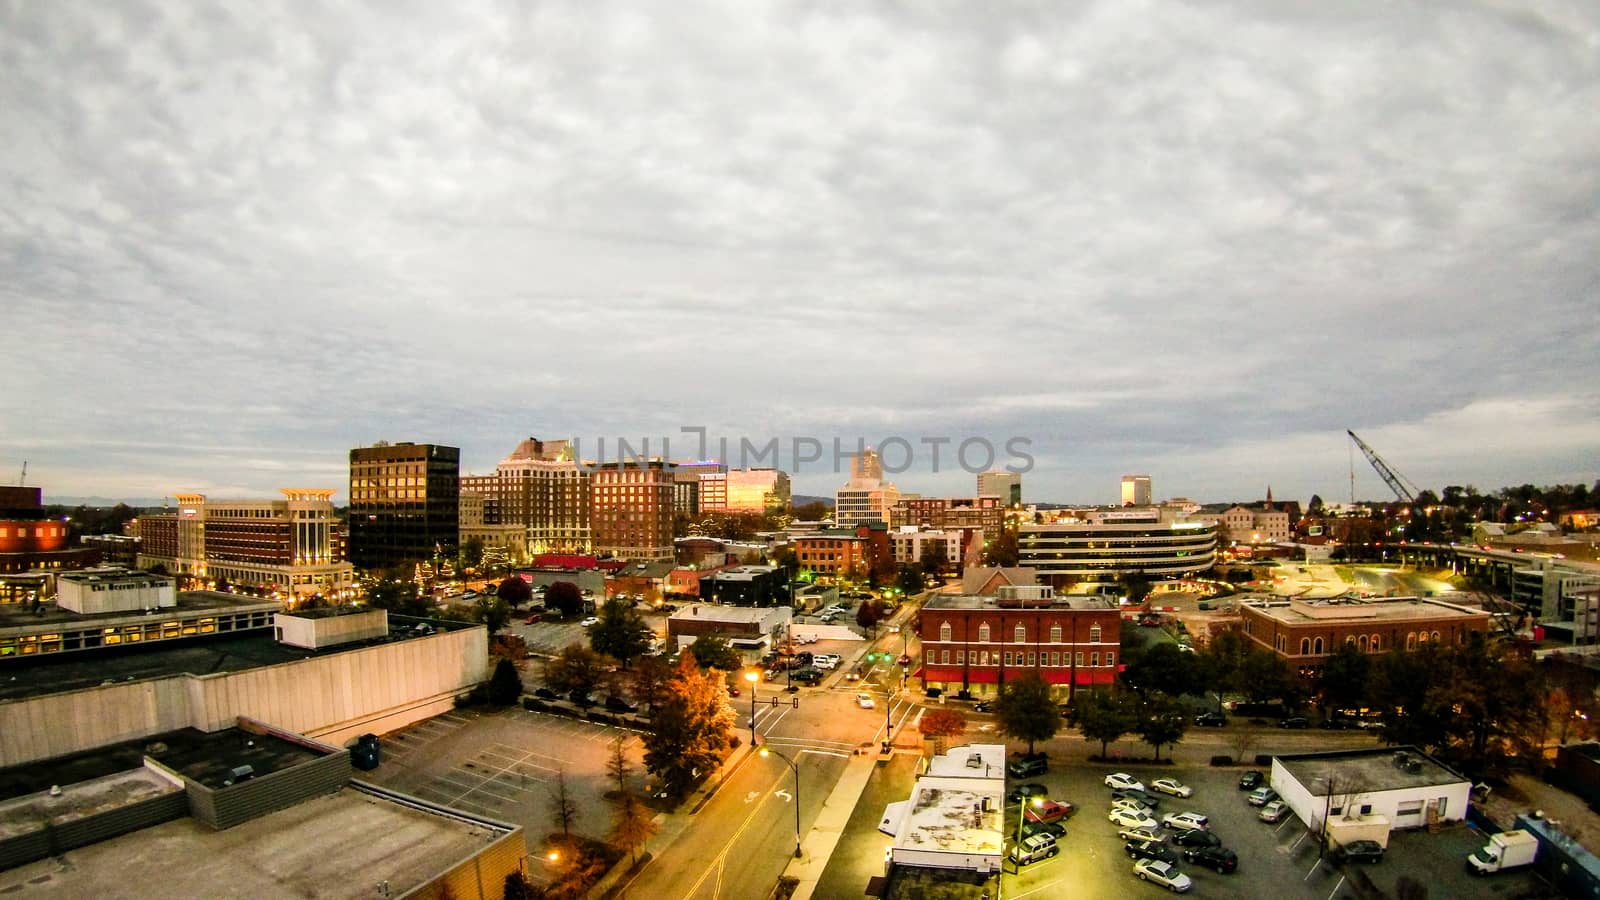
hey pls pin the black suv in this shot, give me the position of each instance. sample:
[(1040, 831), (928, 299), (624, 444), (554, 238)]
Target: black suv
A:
[(1249, 781), (1196, 838), (1026, 792), (807, 675), (1214, 719), (1359, 851), (1220, 858), (1028, 765), (1150, 850)]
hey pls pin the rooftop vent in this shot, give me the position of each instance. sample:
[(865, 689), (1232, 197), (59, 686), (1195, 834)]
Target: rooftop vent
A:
[(241, 773)]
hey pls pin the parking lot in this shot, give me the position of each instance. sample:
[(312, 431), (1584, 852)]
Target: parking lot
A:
[(1279, 861), (505, 765)]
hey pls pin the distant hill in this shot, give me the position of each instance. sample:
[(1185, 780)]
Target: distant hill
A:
[(135, 502), (803, 499)]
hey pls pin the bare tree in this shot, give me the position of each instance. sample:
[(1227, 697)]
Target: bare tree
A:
[(564, 808), (1242, 742), (617, 764), (632, 827)]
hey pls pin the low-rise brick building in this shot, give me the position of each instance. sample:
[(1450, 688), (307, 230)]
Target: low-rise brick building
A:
[(1307, 632), (974, 643)]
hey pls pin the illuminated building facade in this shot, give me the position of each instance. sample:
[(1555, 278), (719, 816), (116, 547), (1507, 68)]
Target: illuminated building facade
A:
[(30, 541), (404, 504), (541, 487), (281, 548), (1075, 551), (975, 643), (632, 511), (1136, 490), (1000, 483)]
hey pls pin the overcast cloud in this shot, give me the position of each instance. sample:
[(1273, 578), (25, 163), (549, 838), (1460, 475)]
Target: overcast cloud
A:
[(1191, 240)]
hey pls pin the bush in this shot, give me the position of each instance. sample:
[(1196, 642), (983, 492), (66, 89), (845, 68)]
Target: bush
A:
[(1222, 760), (505, 686)]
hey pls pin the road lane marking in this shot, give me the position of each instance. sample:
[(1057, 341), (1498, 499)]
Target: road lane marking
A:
[(721, 858)]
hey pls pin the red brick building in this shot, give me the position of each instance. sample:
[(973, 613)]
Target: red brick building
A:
[(974, 643), (29, 540), (845, 552), (1306, 632), (632, 513)]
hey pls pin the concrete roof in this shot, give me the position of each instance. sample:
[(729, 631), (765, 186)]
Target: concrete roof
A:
[(16, 615), (1059, 601), (335, 846), (711, 612), (741, 573), (1373, 769), (1382, 609), (30, 812)]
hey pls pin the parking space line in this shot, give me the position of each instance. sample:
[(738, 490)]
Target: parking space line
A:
[(1336, 888), (1312, 870)]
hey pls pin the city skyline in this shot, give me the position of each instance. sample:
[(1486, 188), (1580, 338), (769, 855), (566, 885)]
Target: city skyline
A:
[(1194, 243)]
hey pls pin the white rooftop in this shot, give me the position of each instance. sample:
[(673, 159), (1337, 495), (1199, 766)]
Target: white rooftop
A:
[(953, 818)]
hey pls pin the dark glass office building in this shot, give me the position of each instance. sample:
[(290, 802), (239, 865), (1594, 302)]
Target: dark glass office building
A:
[(404, 504)]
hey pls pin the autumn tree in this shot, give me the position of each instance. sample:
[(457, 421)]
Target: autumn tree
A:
[(514, 591), (492, 611), (648, 678), (941, 724), (691, 727), (564, 596), (869, 614), (1026, 710), (632, 826), (617, 763)]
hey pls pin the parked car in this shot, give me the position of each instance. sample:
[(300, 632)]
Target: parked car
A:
[(1165, 874), (1212, 719), (1034, 848), (1123, 781), (1220, 858), (1196, 838), (582, 698), (808, 675), (1126, 818), (545, 693), (1294, 722), (591, 620), (1337, 723), (533, 619), (1249, 781), (1138, 796), (1139, 834), (1150, 850), (621, 704), (983, 706), (1026, 792), (1185, 821), (1132, 806), (1261, 796), (1274, 811), (1054, 829), (864, 700), (1359, 851), (1048, 811), (1028, 765), (1172, 786)]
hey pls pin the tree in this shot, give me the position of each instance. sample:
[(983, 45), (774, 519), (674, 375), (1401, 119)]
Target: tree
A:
[(1026, 711), (940, 724), (563, 809), (712, 652), (396, 592), (1221, 659), (1165, 668), (505, 686), (1135, 586), (621, 632), (514, 591), (869, 615), (564, 595), (492, 612), (1163, 719), (632, 827), (649, 678), (1105, 716), (1263, 676), (1001, 551), (576, 668), (617, 764), (517, 887), (911, 580), (691, 728), (470, 556), (1315, 507), (1399, 687), (934, 558), (1342, 682)]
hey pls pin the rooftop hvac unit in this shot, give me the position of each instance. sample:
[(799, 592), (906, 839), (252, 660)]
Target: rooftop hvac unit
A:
[(241, 773)]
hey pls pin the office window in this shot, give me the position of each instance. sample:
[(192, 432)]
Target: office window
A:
[(1080, 657), (1008, 658)]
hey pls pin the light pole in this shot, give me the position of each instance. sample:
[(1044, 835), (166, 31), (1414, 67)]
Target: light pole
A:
[(766, 751), (755, 679), (1022, 815)]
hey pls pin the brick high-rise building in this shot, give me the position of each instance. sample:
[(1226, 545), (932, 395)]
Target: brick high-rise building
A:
[(632, 509), (541, 487), (404, 504)]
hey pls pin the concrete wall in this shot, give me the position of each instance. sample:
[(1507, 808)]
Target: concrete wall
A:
[(330, 631), (331, 697), (225, 807), (480, 875)]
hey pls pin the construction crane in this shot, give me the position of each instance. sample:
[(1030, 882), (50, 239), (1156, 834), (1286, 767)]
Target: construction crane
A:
[(1398, 483)]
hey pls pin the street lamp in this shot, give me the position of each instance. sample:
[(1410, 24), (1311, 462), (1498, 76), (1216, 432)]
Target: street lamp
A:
[(1022, 815), (755, 679), (765, 751)]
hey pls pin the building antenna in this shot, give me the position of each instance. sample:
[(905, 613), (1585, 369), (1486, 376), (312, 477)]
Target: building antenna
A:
[(22, 481)]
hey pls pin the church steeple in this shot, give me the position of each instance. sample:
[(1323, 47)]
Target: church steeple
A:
[(1269, 496)]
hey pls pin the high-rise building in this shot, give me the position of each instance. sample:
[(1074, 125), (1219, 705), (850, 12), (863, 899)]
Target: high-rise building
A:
[(1000, 483), (1136, 490), (286, 547), (405, 503), (866, 497), (633, 506), (756, 491), (541, 487), (699, 487)]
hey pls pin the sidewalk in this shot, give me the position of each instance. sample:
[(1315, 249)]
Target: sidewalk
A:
[(817, 848)]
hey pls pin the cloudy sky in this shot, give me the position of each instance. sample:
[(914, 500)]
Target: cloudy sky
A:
[(1197, 240)]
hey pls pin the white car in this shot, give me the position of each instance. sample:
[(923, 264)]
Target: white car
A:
[(1124, 781), (589, 621), (1186, 821), (1132, 805), (864, 700), (1172, 786), (1127, 818), (1163, 873), (824, 663)]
